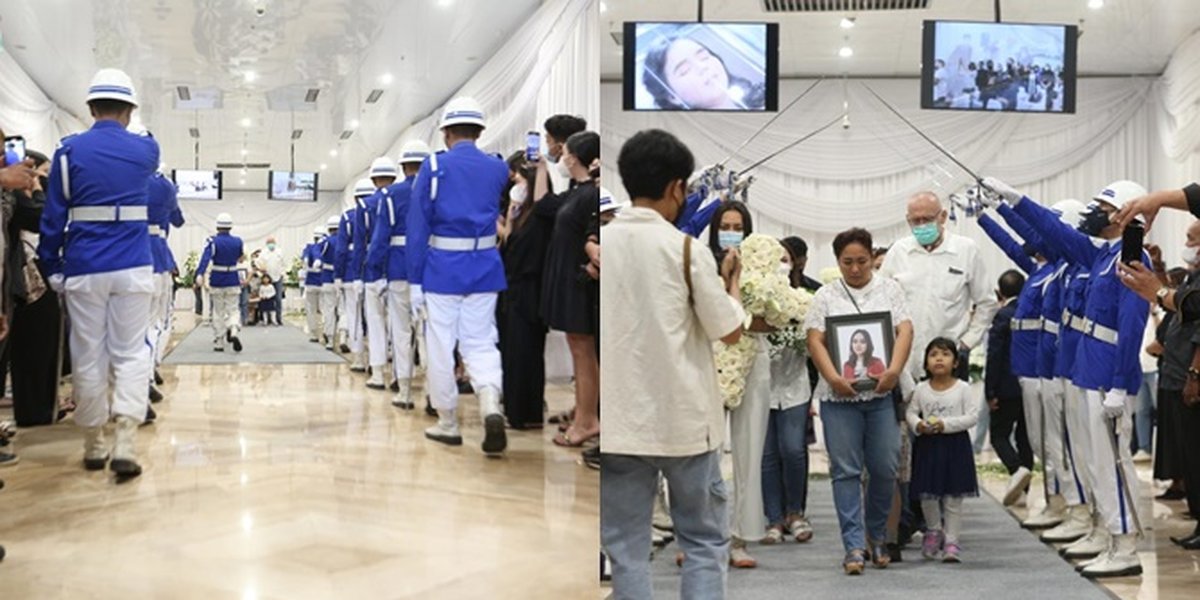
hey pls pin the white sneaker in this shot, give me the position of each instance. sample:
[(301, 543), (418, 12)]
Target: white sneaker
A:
[(1142, 457), (376, 381), (1089, 546), (1016, 485), (403, 398), (1121, 561), (446, 429), (1077, 524), (1053, 513)]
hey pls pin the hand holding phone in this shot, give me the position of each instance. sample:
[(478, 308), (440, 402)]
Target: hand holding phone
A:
[(14, 149), (533, 145), (1132, 238)]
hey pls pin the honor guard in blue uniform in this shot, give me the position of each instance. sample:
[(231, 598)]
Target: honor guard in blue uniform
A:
[(163, 207), (222, 252), (352, 282), (311, 258), (1107, 368), (382, 174), (95, 250), (386, 258), (455, 270), (330, 294)]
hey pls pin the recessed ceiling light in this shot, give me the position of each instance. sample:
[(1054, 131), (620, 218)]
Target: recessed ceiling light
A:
[(353, 124), (246, 122), (1095, 4), (245, 152), (847, 22), (846, 52), (386, 79), (333, 152), (603, 7), (445, 3), (242, 181), (243, 170), (250, 76), (324, 166)]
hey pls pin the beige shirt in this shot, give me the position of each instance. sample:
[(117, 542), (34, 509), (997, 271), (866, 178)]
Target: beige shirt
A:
[(947, 291), (658, 377)]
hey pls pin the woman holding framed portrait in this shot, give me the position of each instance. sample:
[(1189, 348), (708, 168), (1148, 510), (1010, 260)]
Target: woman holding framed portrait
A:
[(859, 335)]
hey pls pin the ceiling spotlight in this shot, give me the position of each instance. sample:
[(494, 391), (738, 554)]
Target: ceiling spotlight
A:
[(386, 79), (353, 124), (846, 52), (242, 181), (1095, 4), (250, 76), (245, 152), (243, 170), (847, 22), (445, 3), (246, 122), (333, 152), (324, 166)]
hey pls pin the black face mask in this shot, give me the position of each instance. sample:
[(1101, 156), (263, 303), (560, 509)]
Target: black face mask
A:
[(1094, 221)]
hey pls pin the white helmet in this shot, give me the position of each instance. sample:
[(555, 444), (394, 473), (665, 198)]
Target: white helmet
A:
[(414, 151), (1069, 211), (383, 167), (1118, 193), (333, 222), (607, 202), (224, 221), (363, 187), (463, 110), (318, 231), (112, 84)]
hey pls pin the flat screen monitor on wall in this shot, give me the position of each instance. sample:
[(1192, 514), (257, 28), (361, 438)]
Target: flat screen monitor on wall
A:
[(197, 185), (299, 186)]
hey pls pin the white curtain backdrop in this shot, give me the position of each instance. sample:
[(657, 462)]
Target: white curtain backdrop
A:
[(26, 111), (861, 176)]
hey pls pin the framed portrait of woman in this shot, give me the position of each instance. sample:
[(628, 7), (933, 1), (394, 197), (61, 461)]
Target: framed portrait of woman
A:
[(861, 346)]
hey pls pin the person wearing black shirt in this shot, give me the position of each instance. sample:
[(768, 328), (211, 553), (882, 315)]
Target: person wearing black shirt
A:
[(1003, 392)]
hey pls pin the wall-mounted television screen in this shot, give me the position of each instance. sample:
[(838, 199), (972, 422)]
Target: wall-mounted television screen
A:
[(1022, 67), (197, 185), (701, 66), (292, 185)]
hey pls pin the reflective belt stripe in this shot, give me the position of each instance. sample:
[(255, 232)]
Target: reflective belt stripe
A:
[(1050, 327), (1026, 324), (65, 167), (398, 240), (391, 211), (157, 230), (1099, 332), (462, 244), (433, 169), (327, 267), (1078, 324), (109, 213), (223, 269)]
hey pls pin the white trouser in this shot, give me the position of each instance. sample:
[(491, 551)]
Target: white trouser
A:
[(1052, 422), (471, 322), (352, 302), (312, 309), (400, 325), (159, 315), (1076, 482), (1115, 511), (329, 309), (168, 283), (109, 349), (1031, 401), (227, 316), (374, 298), (949, 509), (747, 436)]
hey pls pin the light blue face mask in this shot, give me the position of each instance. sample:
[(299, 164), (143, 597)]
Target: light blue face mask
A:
[(926, 234), (729, 239)]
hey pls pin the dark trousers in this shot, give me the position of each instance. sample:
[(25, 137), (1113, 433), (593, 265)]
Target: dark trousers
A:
[(1172, 436), (1007, 420), (34, 356), (278, 300), (1189, 419), (522, 355)]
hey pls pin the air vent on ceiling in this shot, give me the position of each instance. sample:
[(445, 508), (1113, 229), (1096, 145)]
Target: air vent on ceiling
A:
[(184, 92), (842, 6), (243, 165), (296, 133), (311, 96), (374, 96), (192, 131), (346, 134)]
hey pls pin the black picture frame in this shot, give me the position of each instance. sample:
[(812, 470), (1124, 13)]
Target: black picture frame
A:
[(839, 330)]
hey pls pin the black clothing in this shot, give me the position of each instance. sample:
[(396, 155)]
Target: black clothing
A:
[(566, 295), (999, 381), (1006, 421)]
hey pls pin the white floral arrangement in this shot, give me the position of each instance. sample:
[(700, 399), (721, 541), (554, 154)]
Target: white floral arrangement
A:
[(766, 293)]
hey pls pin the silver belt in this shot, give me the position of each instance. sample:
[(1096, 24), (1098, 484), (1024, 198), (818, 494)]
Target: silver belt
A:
[(398, 240), (109, 213), (1100, 332), (1077, 323), (327, 267), (158, 231), (1050, 327), (462, 244), (1026, 324), (223, 269)]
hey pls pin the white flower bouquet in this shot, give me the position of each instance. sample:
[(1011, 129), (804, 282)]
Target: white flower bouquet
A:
[(766, 293)]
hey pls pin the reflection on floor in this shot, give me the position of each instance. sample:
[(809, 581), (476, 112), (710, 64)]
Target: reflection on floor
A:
[(295, 481)]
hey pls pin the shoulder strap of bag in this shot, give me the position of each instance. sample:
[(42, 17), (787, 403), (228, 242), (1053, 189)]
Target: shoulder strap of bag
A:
[(687, 266), (851, 296)]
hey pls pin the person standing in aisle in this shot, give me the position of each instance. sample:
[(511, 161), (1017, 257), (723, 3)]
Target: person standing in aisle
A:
[(98, 188), (383, 174), (352, 274), (330, 282), (272, 262), (313, 270), (224, 251), (452, 255)]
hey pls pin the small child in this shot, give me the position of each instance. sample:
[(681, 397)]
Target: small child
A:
[(943, 466), (266, 300)]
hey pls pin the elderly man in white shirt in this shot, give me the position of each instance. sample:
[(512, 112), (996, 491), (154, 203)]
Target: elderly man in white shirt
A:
[(272, 262), (663, 306)]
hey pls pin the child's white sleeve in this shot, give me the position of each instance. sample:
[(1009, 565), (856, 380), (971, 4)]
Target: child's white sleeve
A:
[(970, 411), (913, 414)]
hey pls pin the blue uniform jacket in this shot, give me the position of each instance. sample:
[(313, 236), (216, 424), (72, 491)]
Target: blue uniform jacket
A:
[(164, 204), (329, 258), (345, 247), (469, 186), (391, 219), (175, 219), (105, 166), (694, 219), (313, 270), (1100, 365), (365, 218), (1028, 306), (1052, 308), (222, 250)]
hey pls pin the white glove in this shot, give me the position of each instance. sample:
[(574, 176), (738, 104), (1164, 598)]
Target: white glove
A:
[(1114, 404), (57, 282), (417, 302), (1002, 189), (358, 286)]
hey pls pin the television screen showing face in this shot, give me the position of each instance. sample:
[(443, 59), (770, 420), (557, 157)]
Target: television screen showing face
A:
[(292, 185), (702, 66), (1019, 67), (197, 185)]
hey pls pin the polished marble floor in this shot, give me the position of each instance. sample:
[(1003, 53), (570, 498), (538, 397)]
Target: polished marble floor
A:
[(294, 482)]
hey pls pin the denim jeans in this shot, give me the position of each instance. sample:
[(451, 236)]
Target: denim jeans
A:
[(244, 303), (699, 508), (1143, 417), (785, 464), (862, 436)]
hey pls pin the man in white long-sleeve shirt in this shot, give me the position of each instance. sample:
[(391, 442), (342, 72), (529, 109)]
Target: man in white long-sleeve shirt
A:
[(272, 262)]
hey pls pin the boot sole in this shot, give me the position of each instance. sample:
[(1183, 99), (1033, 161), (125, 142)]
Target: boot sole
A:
[(376, 387), (125, 469), (1040, 525), (1122, 573), (1083, 555), (158, 380), (403, 405), (95, 464), (445, 439), (1062, 540), (494, 440)]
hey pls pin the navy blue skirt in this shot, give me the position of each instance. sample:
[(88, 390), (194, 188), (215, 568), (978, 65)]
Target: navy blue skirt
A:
[(943, 465)]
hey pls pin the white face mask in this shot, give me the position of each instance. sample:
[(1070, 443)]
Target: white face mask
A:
[(1190, 255), (517, 193), (785, 269), (561, 168)]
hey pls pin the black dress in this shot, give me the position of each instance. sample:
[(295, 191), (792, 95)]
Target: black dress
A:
[(567, 297)]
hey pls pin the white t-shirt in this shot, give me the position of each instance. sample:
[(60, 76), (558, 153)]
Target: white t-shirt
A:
[(266, 292), (658, 377), (956, 407)]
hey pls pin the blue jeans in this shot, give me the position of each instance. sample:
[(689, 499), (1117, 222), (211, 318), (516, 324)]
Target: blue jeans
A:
[(699, 509), (785, 464), (982, 427), (244, 304), (278, 300), (858, 436), (1143, 417)]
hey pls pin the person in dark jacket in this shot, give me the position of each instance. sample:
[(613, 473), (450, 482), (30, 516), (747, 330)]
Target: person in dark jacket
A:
[(1003, 392)]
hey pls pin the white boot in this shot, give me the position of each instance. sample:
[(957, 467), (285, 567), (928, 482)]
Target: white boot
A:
[(1053, 513), (1094, 544), (494, 439), (403, 398), (1077, 524), (376, 381), (357, 364), (1016, 486), (1121, 561), (124, 460), (446, 430), (95, 449)]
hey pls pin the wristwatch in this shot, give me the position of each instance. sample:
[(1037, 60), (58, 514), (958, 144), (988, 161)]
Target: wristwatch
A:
[(1161, 295), (1193, 373)]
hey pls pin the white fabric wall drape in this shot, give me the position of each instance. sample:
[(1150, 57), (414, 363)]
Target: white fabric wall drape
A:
[(863, 175), (26, 111)]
